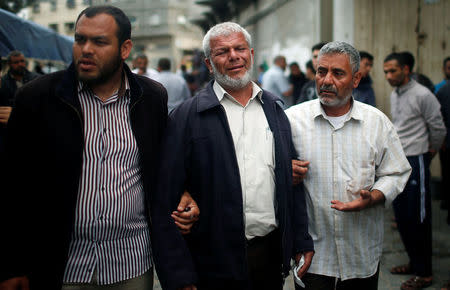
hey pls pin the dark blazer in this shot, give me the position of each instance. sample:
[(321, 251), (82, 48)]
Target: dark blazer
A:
[(44, 157), (198, 154)]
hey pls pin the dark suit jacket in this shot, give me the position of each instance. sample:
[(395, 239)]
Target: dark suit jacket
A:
[(44, 157), (198, 154)]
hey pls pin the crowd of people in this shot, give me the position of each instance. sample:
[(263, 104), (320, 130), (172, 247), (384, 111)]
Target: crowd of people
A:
[(109, 172)]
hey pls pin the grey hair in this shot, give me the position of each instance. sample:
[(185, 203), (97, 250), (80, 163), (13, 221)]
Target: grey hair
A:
[(340, 47), (223, 29)]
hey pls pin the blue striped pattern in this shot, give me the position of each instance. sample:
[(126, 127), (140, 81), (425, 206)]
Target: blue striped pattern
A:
[(111, 232)]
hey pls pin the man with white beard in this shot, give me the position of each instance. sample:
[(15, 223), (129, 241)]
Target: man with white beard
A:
[(231, 148)]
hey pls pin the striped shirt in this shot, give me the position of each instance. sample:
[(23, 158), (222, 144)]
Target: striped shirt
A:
[(363, 152), (111, 232)]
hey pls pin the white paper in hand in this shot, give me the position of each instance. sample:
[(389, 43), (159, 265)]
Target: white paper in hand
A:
[(297, 280)]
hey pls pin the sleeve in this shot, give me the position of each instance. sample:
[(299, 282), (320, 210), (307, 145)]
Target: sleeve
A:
[(431, 110), (302, 239), (15, 166), (173, 261), (283, 83), (392, 169)]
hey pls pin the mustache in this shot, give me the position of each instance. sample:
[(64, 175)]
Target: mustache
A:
[(328, 88)]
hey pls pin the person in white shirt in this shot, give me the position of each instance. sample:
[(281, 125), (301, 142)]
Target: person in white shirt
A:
[(277, 83), (141, 62), (355, 166)]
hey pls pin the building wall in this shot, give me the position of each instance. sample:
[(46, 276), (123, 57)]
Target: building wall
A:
[(58, 16), (289, 28), (385, 26)]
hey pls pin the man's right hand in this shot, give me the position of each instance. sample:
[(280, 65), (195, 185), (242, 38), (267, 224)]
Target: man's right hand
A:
[(299, 170), (16, 283), (5, 112)]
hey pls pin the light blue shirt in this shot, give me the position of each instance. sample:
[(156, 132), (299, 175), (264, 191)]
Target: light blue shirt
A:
[(276, 82), (177, 89)]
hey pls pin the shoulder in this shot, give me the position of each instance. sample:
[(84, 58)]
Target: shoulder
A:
[(302, 110), (150, 86)]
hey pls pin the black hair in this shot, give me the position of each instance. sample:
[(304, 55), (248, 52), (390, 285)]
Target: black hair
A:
[(122, 21), (365, 54), (409, 59), (445, 61), (399, 57), (309, 65), (318, 46), (293, 63), (164, 64)]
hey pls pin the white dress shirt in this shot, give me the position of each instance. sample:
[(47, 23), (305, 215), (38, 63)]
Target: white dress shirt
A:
[(363, 152), (254, 146)]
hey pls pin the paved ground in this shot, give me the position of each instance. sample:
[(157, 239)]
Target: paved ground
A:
[(394, 253)]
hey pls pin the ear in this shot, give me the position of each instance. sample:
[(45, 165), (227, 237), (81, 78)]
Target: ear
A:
[(208, 64), (356, 79), (125, 49)]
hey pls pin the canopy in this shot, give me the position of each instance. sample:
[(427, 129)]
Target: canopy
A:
[(33, 40)]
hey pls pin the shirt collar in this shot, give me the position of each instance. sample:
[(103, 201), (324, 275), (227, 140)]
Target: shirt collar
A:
[(402, 89), (221, 93), (124, 91), (355, 111)]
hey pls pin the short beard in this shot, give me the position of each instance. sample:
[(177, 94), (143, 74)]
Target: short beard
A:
[(336, 102), (229, 83), (105, 73)]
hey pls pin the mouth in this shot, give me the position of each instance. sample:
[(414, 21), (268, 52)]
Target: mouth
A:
[(235, 68), (327, 92), (86, 64)]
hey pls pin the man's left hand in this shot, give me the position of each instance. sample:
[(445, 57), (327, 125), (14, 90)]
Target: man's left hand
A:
[(358, 204), (187, 213), (308, 259)]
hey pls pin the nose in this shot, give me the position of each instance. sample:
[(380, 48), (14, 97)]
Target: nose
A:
[(233, 54), (328, 79), (86, 47)]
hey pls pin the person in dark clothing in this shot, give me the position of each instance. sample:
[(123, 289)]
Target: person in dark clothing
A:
[(308, 91), (443, 96), (233, 144), (310, 71), (297, 79), (17, 76), (82, 154), (364, 92)]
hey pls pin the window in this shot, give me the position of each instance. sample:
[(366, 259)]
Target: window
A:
[(36, 8), (154, 20), (53, 5), (87, 2), (70, 4), (53, 26), (69, 27)]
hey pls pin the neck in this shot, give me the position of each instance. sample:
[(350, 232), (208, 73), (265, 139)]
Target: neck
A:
[(337, 111), (17, 77), (241, 95), (106, 89)]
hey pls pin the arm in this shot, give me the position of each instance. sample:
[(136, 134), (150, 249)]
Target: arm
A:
[(431, 111), (173, 261), (392, 171)]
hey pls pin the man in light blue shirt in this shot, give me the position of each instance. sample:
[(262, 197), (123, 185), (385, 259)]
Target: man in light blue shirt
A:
[(177, 89), (277, 83)]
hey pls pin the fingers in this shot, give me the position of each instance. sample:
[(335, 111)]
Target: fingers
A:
[(308, 260), (184, 201), (185, 217), (299, 170), (336, 204)]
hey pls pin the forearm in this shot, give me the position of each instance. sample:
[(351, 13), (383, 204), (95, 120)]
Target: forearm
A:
[(376, 197)]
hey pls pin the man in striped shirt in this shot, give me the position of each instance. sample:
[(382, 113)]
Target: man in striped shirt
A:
[(356, 165), (84, 153)]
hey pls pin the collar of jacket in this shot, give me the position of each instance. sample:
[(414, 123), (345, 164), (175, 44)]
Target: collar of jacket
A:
[(68, 91), (207, 99)]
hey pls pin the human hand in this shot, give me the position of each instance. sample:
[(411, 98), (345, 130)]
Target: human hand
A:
[(5, 112), (16, 283), (187, 213), (299, 170), (358, 204), (308, 260)]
